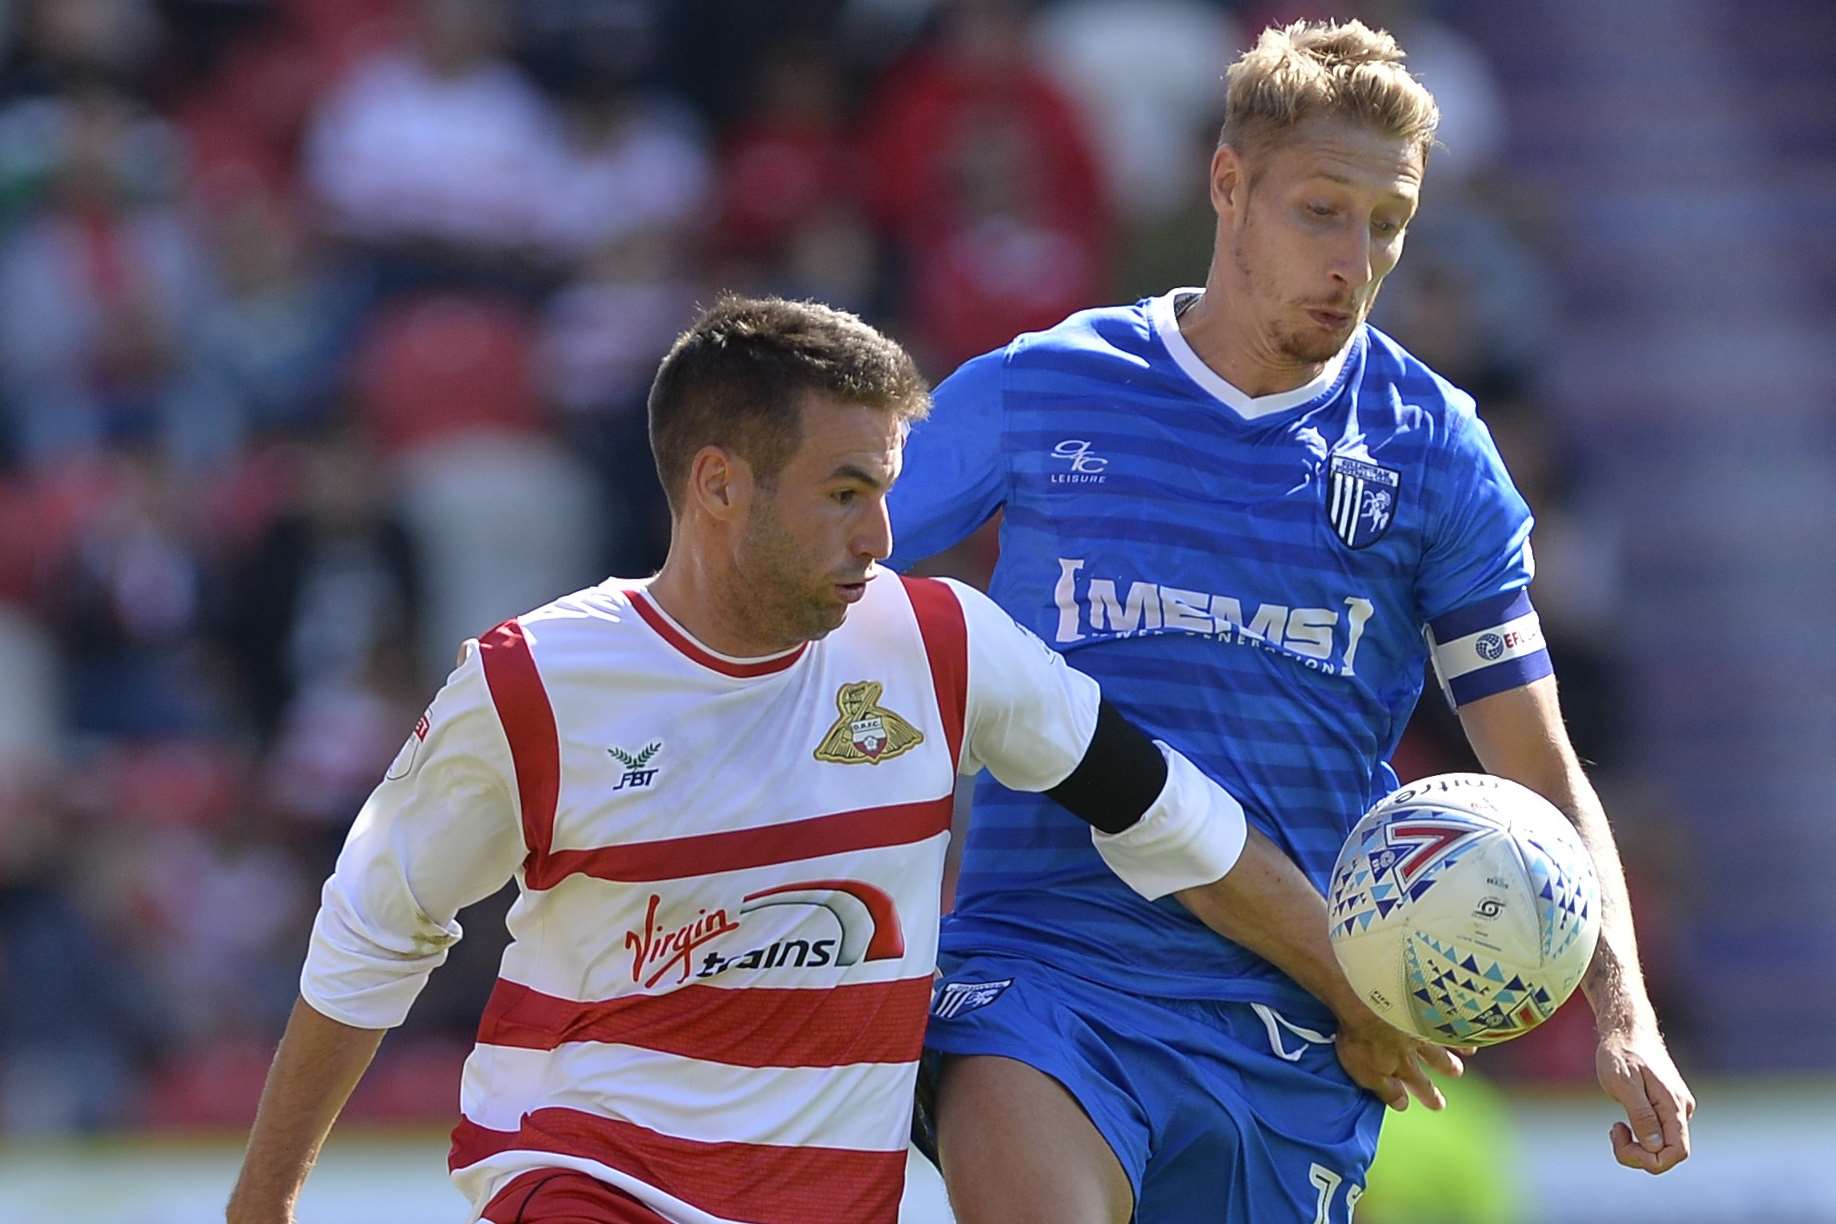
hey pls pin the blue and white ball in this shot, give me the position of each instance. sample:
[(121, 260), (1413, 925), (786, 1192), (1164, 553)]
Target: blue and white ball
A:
[(1464, 909)]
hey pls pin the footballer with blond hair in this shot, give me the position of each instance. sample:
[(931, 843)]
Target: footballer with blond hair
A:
[(1254, 518)]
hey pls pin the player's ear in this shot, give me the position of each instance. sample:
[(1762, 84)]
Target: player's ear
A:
[(1229, 180), (720, 483)]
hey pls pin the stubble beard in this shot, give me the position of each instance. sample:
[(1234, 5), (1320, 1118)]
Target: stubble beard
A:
[(774, 602), (1307, 347)]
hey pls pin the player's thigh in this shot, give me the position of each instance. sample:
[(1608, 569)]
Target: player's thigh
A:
[(1260, 1127), (1017, 1149), (1234, 1172), (563, 1196)]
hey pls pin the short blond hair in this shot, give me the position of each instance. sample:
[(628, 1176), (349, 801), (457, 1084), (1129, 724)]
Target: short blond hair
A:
[(1311, 69)]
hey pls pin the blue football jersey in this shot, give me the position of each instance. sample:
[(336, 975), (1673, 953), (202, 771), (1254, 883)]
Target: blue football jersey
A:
[(1257, 581)]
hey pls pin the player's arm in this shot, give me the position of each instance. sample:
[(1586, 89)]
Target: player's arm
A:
[(1488, 652), (314, 1072), (1163, 827), (1518, 734), (954, 476), (1039, 725), (1166, 829), (438, 834), (1268, 905)]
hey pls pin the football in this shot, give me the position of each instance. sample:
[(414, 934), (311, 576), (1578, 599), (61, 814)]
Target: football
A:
[(1464, 909)]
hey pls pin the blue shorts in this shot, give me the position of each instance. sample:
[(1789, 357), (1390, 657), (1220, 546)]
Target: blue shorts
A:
[(1220, 1112)]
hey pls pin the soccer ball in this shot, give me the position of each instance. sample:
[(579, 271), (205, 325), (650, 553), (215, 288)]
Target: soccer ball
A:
[(1464, 909)]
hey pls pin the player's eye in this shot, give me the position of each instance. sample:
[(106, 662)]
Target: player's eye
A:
[(1386, 228), (1321, 210), (844, 497)]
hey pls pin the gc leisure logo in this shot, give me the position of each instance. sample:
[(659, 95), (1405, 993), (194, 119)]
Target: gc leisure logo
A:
[(1085, 466)]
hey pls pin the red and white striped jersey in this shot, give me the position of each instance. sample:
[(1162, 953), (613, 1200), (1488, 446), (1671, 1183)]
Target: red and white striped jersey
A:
[(721, 956)]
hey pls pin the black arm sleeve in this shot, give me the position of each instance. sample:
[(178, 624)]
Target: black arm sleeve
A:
[(1121, 775)]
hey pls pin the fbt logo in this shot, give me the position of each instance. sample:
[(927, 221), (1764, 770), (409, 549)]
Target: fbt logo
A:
[(1323, 639), (866, 929), (1086, 466), (639, 772)]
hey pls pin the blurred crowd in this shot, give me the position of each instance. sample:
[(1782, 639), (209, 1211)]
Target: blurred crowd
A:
[(325, 331)]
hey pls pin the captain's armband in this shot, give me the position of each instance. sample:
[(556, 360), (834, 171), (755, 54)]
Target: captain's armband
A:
[(1488, 647)]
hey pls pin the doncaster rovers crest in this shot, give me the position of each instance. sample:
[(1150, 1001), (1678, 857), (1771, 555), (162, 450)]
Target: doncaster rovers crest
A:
[(867, 732), (1360, 499)]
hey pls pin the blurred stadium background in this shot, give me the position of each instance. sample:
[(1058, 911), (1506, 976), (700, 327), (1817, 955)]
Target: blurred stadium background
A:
[(325, 327)]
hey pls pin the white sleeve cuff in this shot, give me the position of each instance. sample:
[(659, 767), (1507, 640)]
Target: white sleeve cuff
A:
[(1192, 835), (356, 980)]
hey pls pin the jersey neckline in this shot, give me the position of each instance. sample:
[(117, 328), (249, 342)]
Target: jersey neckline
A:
[(684, 643), (1163, 321)]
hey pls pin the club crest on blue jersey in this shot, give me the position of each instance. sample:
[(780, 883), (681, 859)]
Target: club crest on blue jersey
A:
[(1360, 499)]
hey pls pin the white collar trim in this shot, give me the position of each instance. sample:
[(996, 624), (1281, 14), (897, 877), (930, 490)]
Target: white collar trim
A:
[(1251, 407)]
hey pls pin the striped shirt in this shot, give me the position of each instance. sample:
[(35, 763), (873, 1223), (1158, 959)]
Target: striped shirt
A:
[(729, 872)]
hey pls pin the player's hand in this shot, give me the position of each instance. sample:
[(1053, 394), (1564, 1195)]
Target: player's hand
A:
[(1635, 1070), (1384, 1060)]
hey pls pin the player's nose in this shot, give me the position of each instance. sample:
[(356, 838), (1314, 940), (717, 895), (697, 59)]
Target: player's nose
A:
[(873, 537), (1351, 263)]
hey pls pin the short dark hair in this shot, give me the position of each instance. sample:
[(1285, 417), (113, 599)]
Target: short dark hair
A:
[(738, 378)]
